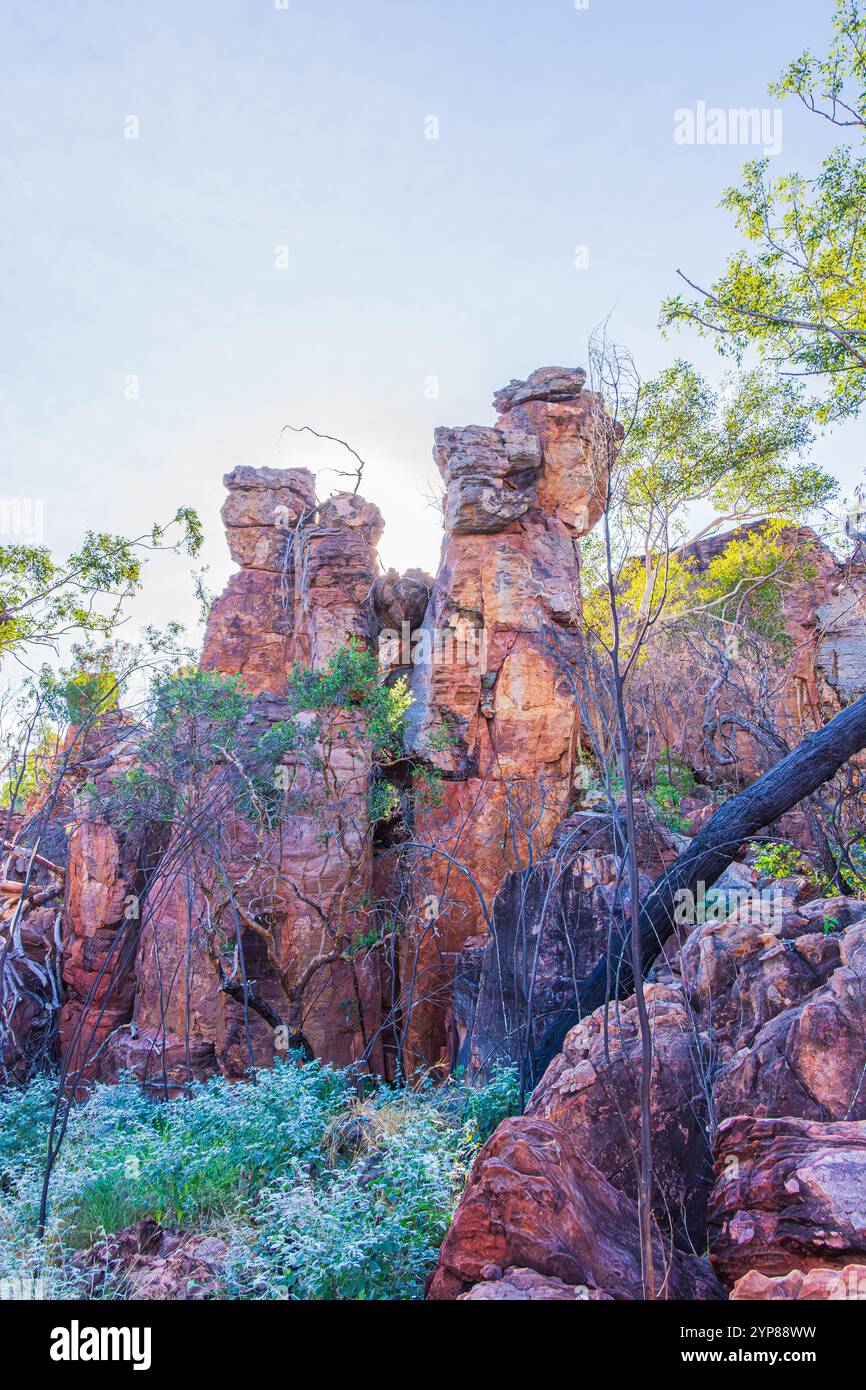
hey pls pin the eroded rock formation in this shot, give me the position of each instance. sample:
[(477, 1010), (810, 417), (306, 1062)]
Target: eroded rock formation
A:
[(313, 567), (491, 709), (502, 889)]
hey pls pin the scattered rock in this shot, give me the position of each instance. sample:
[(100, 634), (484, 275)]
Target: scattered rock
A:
[(149, 1262), (817, 1284), (527, 1285)]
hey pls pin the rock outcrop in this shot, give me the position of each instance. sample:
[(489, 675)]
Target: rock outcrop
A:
[(534, 1201), (249, 629), (491, 709), (789, 1195)]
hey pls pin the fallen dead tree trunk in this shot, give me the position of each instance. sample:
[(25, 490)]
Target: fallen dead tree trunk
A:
[(796, 776)]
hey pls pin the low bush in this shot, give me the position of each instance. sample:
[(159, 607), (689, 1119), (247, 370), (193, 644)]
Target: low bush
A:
[(317, 1193)]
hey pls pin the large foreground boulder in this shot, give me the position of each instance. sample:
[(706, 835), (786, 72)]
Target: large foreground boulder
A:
[(534, 1201), (590, 1092)]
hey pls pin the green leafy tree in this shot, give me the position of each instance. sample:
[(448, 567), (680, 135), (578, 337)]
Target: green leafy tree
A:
[(796, 291), (685, 462), (43, 600)]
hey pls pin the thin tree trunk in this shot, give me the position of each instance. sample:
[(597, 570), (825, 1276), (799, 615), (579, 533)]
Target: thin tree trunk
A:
[(645, 1186)]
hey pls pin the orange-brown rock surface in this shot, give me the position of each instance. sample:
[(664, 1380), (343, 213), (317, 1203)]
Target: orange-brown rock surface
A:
[(101, 910), (249, 629), (491, 709), (536, 1202), (790, 1194)]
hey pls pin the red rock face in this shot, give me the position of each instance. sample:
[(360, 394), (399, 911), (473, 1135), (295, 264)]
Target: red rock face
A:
[(493, 715), (99, 955), (788, 1196), (491, 709), (534, 1201), (250, 627), (101, 914), (590, 1092), (308, 881)]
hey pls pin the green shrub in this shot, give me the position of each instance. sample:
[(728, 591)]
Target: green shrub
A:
[(305, 1212), (781, 860), (672, 780)]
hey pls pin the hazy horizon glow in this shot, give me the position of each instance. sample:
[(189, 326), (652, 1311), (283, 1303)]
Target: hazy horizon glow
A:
[(281, 241)]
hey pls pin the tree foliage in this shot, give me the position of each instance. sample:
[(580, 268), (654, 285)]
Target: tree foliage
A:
[(796, 291), (42, 600), (687, 460)]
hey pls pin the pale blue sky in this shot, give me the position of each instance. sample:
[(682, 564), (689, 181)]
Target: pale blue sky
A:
[(408, 258)]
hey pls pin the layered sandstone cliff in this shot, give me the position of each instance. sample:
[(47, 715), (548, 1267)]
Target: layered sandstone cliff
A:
[(492, 716), (491, 708)]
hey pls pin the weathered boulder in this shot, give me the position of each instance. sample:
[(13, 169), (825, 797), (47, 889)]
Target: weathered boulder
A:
[(526, 1285), (534, 1201), (551, 923), (818, 1285), (789, 1194), (590, 1092), (150, 1262), (810, 1059)]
